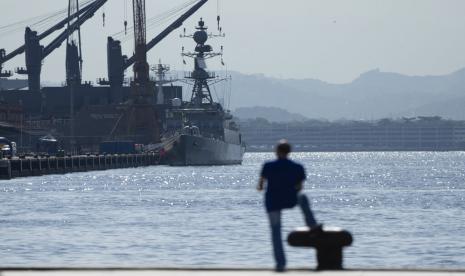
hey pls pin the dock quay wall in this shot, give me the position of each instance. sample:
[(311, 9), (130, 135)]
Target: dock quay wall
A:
[(36, 166)]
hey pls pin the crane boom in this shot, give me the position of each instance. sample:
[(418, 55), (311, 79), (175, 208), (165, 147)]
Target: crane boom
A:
[(81, 20), (43, 35), (141, 67), (176, 24), (140, 118), (36, 53)]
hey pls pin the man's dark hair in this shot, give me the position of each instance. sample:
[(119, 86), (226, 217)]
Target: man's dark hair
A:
[(283, 147)]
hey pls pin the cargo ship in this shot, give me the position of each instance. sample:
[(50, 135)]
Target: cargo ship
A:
[(79, 114), (202, 132)]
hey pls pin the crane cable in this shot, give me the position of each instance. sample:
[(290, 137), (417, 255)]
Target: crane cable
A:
[(41, 18), (218, 18), (158, 19), (33, 19), (43, 25), (13, 28), (162, 18), (103, 16), (169, 15), (125, 17), (41, 22)]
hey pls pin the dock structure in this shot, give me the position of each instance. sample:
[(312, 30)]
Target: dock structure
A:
[(222, 272), (36, 166)]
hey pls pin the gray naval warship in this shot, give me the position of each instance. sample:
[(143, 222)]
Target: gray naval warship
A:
[(202, 131)]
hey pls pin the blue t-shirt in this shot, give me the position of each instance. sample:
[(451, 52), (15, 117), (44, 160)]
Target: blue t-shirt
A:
[(282, 176)]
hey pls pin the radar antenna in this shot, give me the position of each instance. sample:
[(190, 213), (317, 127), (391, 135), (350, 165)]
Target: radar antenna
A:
[(161, 70), (201, 78)]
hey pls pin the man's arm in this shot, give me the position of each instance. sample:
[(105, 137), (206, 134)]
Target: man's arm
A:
[(261, 184), (302, 177), (263, 176)]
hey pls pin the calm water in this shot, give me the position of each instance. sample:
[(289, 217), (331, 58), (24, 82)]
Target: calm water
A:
[(404, 210)]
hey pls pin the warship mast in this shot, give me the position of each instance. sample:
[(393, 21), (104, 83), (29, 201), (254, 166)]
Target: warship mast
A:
[(201, 78), (208, 134)]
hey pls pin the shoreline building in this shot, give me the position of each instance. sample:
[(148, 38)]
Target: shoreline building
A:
[(406, 134)]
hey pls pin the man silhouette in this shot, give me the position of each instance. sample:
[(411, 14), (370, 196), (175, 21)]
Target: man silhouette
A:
[(284, 180)]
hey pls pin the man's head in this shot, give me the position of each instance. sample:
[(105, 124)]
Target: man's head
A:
[(283, 148)]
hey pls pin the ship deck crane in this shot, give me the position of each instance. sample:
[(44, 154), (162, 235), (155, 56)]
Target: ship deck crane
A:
[(6, 57), (139, 119), (35, 53), (141, 67), (175, 25), (73, 51), (117, 63)]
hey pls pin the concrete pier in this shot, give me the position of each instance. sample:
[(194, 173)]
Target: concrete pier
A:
[(223, 272), (35, 166)]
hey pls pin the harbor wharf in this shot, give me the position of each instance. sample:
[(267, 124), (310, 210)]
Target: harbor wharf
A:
[(45, 165), (221, 272), (328, 242)]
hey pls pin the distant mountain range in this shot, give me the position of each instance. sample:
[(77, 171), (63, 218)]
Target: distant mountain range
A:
[(373, 95)]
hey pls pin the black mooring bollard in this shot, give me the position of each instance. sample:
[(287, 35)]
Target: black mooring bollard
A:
[(328, 243)]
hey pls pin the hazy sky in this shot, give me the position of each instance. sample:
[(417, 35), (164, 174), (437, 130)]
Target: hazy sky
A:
[(331, 40)]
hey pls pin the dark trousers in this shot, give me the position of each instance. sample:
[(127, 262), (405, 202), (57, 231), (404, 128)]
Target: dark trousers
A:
[(275, 224)]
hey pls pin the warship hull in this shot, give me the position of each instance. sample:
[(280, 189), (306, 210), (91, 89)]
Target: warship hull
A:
[(190, 150)]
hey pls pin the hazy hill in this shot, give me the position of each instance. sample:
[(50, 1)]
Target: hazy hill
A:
[(373, 95), (272, 114)]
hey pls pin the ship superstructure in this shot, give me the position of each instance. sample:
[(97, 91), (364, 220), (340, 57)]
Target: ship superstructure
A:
[(207, 134)]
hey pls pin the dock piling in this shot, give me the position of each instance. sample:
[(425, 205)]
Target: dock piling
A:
[(37, 165)]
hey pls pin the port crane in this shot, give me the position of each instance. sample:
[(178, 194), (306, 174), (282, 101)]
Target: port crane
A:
[(36, 53), (6, 57), (139, 119), (118, 63), (73, 50)]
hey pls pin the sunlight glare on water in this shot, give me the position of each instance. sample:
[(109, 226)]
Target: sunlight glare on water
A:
[(404, 210)]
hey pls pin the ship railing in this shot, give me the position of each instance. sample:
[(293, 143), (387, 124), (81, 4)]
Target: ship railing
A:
[(83, 83), (40, 124), (191, 75)]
